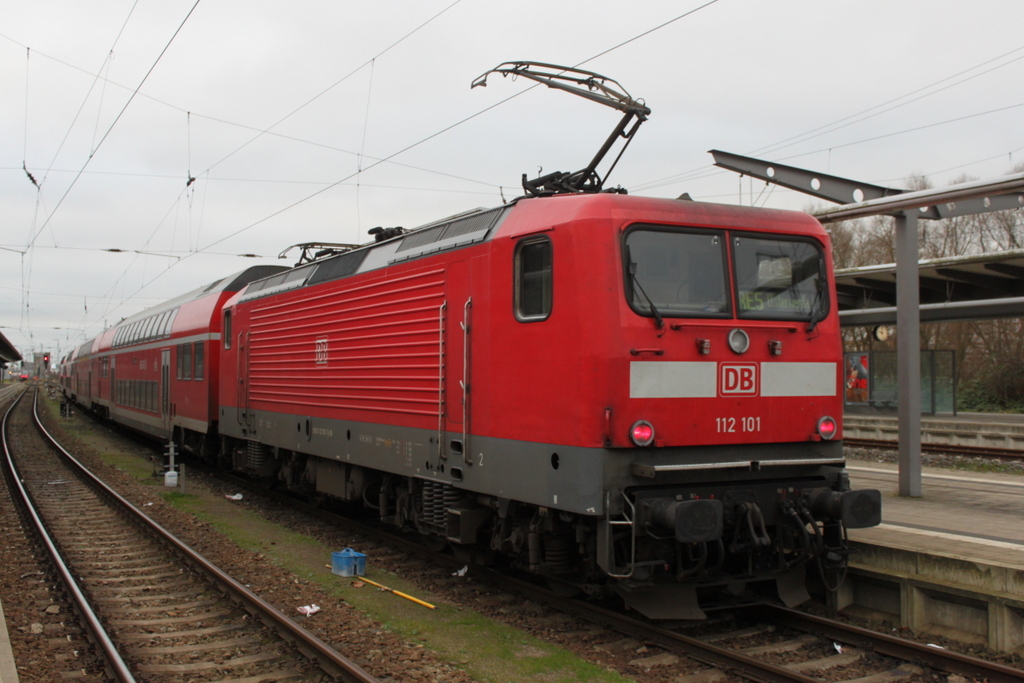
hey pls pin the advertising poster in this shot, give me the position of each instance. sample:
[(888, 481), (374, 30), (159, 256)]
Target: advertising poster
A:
[(856, 379)]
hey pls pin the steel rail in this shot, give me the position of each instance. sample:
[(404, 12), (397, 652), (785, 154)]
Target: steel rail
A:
[(115, 665), (310, 645), (926, 447), (946, 660), (706, 653), (726, 660)]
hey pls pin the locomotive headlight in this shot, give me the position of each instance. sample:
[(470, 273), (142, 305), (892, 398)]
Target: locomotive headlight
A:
[(642, 433), (827, 428), (739, 342)]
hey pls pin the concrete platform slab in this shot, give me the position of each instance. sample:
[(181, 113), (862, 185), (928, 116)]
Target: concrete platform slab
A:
[(8, 669), (974, 430), (950, 562)]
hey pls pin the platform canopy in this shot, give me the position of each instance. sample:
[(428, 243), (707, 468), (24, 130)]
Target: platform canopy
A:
[(958, 288), (910, 285), (8, 354)]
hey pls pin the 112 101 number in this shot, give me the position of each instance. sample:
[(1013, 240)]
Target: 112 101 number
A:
[(731, 425)]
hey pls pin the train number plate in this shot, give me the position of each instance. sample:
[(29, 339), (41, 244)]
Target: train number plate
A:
[(732, 425)]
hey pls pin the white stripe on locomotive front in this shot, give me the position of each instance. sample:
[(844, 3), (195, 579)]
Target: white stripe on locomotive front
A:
[(699, 379)]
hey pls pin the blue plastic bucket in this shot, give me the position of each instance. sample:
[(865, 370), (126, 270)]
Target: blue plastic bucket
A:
[(348, 562)]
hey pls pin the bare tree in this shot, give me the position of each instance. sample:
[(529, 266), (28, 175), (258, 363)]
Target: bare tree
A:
[(990, 354)]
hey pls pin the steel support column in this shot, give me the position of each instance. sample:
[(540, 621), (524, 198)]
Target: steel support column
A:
[(908, 354), (966, 199)]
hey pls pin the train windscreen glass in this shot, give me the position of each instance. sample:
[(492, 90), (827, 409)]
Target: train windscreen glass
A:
[(779, 279), (676, 273)]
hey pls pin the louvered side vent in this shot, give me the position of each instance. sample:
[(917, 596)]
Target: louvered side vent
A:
[(338, 267), (465, 226), (422, 238), (449, 235), (282, 282)]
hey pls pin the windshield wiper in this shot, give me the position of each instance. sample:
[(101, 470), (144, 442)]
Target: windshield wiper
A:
[(636, 283), (817, 306)]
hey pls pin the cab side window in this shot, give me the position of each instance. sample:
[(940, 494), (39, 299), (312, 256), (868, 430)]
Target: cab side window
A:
[(533, 279), (226, 330)]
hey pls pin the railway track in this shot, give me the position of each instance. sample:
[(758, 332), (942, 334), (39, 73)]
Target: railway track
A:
[(779, 646), (769, 646), (969, 451), (154, 608), (774, 645)]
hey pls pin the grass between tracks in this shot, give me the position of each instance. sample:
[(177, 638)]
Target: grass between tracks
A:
[(489, 650)]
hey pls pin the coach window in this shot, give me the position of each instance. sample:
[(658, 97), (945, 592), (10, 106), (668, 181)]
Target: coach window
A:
[(186, 363), (533, 279), (226, 330), (197, 357), (164, 329)]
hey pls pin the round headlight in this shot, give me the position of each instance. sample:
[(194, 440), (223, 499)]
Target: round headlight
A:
[(739, 342)]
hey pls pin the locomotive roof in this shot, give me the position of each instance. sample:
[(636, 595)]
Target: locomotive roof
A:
[(448, 233), (634, 209), (530, 213)]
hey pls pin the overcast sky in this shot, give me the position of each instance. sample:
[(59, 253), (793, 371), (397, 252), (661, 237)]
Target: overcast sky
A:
[(275, 108)]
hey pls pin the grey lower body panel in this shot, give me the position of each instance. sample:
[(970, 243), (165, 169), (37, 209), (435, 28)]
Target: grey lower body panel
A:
[(588, 481)]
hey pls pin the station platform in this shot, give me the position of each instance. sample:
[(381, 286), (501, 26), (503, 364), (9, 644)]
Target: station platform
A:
[(8, 669), (950, 562), (972, 516), (975, 430)]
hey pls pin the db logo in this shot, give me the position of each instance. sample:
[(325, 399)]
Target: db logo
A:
[(737, 379)]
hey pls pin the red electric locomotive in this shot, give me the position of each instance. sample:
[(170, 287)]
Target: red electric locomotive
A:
[(608, 391), (595, 385)]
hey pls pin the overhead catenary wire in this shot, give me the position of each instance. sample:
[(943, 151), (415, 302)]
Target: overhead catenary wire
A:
[(455, 125), (233, 221), (883, 107), (235, 124), (362, 146), (114, 123), (696, 174), (851, 119), (98, 77), (334, 85), (399, 152), (24, 153)]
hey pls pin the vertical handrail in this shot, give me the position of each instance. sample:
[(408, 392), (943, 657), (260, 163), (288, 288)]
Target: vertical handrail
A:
[(249, 421), (466, 456), (627, 521), (440, 380), (242, 390)]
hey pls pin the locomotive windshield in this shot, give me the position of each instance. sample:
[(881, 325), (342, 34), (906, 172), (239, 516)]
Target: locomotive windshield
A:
[(675, 273), (684, 273), (779, 279)]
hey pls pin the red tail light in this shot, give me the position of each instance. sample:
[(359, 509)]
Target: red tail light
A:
[(827, 428), (642, 433)]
